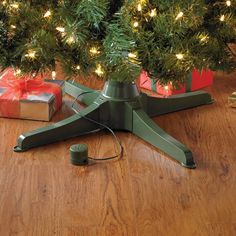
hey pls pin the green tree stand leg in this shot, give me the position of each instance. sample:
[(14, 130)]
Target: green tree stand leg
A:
[(155, 106), (146, 129), (71, 127)]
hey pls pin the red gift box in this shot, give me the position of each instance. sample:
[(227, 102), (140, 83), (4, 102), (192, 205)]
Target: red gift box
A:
[(196, 81), (28, 98)]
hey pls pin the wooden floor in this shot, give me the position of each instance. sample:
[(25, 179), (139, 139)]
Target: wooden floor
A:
[(145, 193)]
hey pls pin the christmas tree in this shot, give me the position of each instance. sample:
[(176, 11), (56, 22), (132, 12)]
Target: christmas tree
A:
[(115, 40)]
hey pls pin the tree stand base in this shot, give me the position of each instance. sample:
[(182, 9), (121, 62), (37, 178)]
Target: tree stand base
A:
[(121, 107)]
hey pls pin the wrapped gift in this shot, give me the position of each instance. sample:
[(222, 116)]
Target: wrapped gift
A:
[(28, 98), (232, 100), (197, 80), (61, 83)]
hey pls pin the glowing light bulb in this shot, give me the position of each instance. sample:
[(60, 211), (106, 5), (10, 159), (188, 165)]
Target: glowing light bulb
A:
[(18, 72), (139, 7), (71, 40), (15, 5), (153, 12), (179, 56), (135, 24), (78, 67), (222, 17), (166, 87), (60, 29), (13, 26), (94, 50), (99, 70), (31, 54), (204, 38), (132, 55), (180, 15), (54, 74), (228, 3), (47, 14)]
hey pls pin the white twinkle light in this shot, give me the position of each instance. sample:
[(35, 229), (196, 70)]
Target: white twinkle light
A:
[(54, 74), (15, 5), (179, 56), (228, 3), (99, 70), (153, 12), (139, 7), (18, 72), (60, 29), (94, 50), (132, 55), (31, 54), (47, 14), (222, 18), (204, 38), (180, 15), (71, 40), (136, 24), (166, 87)]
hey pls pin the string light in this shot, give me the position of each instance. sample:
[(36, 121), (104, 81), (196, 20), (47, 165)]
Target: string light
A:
[(136, 24), (71, 40), (15, 5), (139, 7), (54, 74), (13, 26), (99, 70), (94, 50), (78, 67), (166, 87), (60, 29), (132, 55), (180, 15), (179, 56), (153, 12), (203, 38), (222, 17), (228, 3), (18, 72), (47, 14), (31, 54)]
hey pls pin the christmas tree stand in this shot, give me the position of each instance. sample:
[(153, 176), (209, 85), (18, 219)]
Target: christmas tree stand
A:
[(121, 107)]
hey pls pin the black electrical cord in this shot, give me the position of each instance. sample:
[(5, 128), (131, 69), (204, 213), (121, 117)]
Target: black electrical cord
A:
[(117, 140)]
